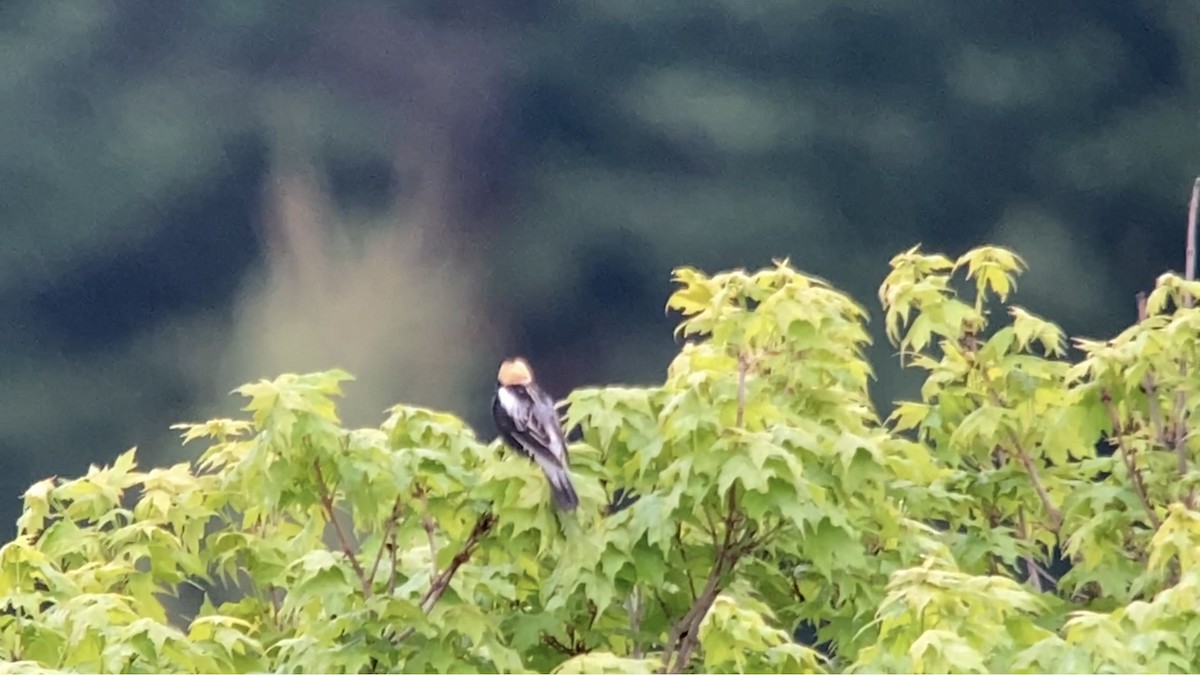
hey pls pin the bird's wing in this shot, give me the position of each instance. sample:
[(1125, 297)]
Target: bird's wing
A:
[(536, 425), (546, 415)]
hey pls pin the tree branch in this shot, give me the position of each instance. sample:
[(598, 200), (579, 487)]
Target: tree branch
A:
[(1189, 273), (763, 539), (687, 568), (1135, 475), (429, 526), (635, 622), (1037, 573), (1189, 264), (1150, 389), (441, 583), (395, 549), (327, 503), (684, 636), (743, 366), (388, 529), (558, 645), (1027, 463), (1166, 433), (1025, 459)]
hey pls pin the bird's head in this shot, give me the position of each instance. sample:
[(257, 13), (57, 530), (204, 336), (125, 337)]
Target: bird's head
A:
[(514, 372)]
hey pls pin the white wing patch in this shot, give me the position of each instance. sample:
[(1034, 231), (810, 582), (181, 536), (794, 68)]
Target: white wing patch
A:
[(509, 401)]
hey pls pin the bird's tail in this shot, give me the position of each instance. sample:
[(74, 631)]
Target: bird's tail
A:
[(561, 487)]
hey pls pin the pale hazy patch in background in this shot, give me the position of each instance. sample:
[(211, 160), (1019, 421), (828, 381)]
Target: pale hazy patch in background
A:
[(386, 303), (1058, 258)]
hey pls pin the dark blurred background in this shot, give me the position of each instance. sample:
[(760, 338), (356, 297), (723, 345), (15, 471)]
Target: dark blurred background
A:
[(196, 195)]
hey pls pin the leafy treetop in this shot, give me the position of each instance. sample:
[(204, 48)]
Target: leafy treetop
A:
[(772, 497)]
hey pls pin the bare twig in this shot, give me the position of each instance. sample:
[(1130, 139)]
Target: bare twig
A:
[(1135, 475), (1036, 572), (594, 614), (395, 547), (441, 583), (1189, 273), (1038, 487), (711, 524), (1031, 567), (482, 527), (1189, 264), (743, 366), (763, 539), (684, 636), (558, 645), (331, 515), (388, 529), (796, 593), (662, 605), (1026, 460), (1150, 389), (687, 568), (429, 526), (635, 622), (1179, 436)]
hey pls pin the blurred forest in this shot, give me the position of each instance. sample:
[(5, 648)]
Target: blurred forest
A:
[(197, 195)]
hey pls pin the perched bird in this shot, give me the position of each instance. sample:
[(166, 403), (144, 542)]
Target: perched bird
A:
[(524, 415)]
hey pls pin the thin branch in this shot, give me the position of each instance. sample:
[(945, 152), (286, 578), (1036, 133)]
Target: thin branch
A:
[(388, 529), (684, 636), (1179, 436), (1189, 273), (635, 622), (482, 527), (594, 610), (1189, 265), (700, 604), (558, 645), (662, 605), (711, 524), (1041, 571), (683, 633), (798, 595), (1135, 475), (1031, 569), (327, 503), (763, 539), (1026, 460), (395, 547), (743, 366), (1150, 389), (442, 582), (1036, 571), (430, 526), (1023, 533), (687, 568), (691, 635)]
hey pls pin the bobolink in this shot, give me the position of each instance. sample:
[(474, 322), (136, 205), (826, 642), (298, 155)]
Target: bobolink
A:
[(525, 417)]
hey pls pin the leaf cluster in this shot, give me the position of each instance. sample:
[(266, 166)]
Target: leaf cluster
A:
[(772, 496)]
